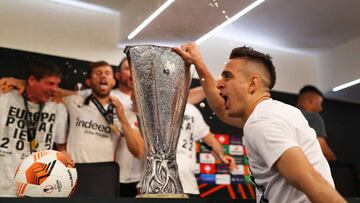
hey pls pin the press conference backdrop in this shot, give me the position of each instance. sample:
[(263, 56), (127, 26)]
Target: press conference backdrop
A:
[(214, 180)]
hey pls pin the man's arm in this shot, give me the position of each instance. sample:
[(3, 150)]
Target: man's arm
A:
[(297, 170), (317, 123), (216, 147), (134, 141), (191, 55), (328, 153), (7, 84), (196, 95)]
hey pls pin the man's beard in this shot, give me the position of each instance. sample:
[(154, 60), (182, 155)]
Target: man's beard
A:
[(125, 83), (100, 94)]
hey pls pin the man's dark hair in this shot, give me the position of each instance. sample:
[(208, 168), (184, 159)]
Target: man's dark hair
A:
[(96, 64), (258, 57), (40, 67), (310, 89)]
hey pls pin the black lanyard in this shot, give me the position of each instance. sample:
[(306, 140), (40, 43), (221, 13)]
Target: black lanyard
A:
[(31, 125), (107, 114)]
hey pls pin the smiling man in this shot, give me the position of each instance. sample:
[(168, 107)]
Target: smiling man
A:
[(284, 155), (29, 121), (97, 120)]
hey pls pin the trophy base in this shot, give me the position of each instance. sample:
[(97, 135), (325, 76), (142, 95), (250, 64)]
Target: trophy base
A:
[(175, 196)]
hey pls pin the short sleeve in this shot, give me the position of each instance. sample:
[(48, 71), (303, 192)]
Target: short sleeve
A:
[(270, 138), (61, 124)]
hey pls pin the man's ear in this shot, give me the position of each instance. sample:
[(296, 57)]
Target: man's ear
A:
[(87, 82), (113, 82), (31, 80), (312, 99), (254, 83), (117, 75)]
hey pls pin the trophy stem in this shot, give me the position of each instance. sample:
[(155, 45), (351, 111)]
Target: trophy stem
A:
[(160, 177)]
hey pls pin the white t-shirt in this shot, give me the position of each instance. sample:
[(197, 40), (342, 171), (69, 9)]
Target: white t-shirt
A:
[(90, 138), (124, 98), (131, 168), (272, 128), (193, 127), (14, 146)]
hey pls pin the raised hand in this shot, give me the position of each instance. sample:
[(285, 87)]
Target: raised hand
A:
[(190, 53), (9, 83)]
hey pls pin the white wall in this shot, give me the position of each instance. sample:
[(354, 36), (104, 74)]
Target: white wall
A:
[(293, 70), (46, 27), (339, 65)]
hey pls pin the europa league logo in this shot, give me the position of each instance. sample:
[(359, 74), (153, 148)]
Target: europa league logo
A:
[(161, 85)]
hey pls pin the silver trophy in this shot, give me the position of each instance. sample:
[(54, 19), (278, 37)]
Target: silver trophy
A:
[(161, 85)]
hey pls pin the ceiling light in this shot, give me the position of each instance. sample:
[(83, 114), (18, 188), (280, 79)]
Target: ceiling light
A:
[(346, 85), (228, 22), (150, 18), (88, 6)]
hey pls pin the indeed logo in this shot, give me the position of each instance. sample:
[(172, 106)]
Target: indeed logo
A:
[(92, 125)]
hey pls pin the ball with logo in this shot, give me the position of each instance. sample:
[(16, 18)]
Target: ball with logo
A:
[(46, 173)]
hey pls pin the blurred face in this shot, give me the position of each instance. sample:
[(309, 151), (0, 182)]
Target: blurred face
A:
[(134, 106), (42, 90), (233, 86), (316, 103), (102, 81), (124, 75)]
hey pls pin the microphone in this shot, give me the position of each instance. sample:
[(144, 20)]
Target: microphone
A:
[(222, 161)]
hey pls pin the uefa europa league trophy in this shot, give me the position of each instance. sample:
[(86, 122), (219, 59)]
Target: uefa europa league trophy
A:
[(161, 85)]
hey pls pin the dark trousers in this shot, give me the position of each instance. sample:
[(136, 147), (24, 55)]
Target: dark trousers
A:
[(128, 189)]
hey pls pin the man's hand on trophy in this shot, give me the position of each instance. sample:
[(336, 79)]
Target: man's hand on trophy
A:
[(230, 161), (9, 83), (190, 53)]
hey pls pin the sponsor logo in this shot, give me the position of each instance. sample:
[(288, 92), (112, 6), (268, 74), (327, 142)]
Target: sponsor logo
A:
[(237, 179), (207, 178), (236, 140), (240, 170), (207, 168), (222, 138), (58, 185), (71, 178), (48, 189), (221, 168), (236, 150), (207, 158), (222, 179), (92, 125)]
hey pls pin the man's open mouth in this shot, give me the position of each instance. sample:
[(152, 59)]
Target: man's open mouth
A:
[(225, 97), (103, 84)]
